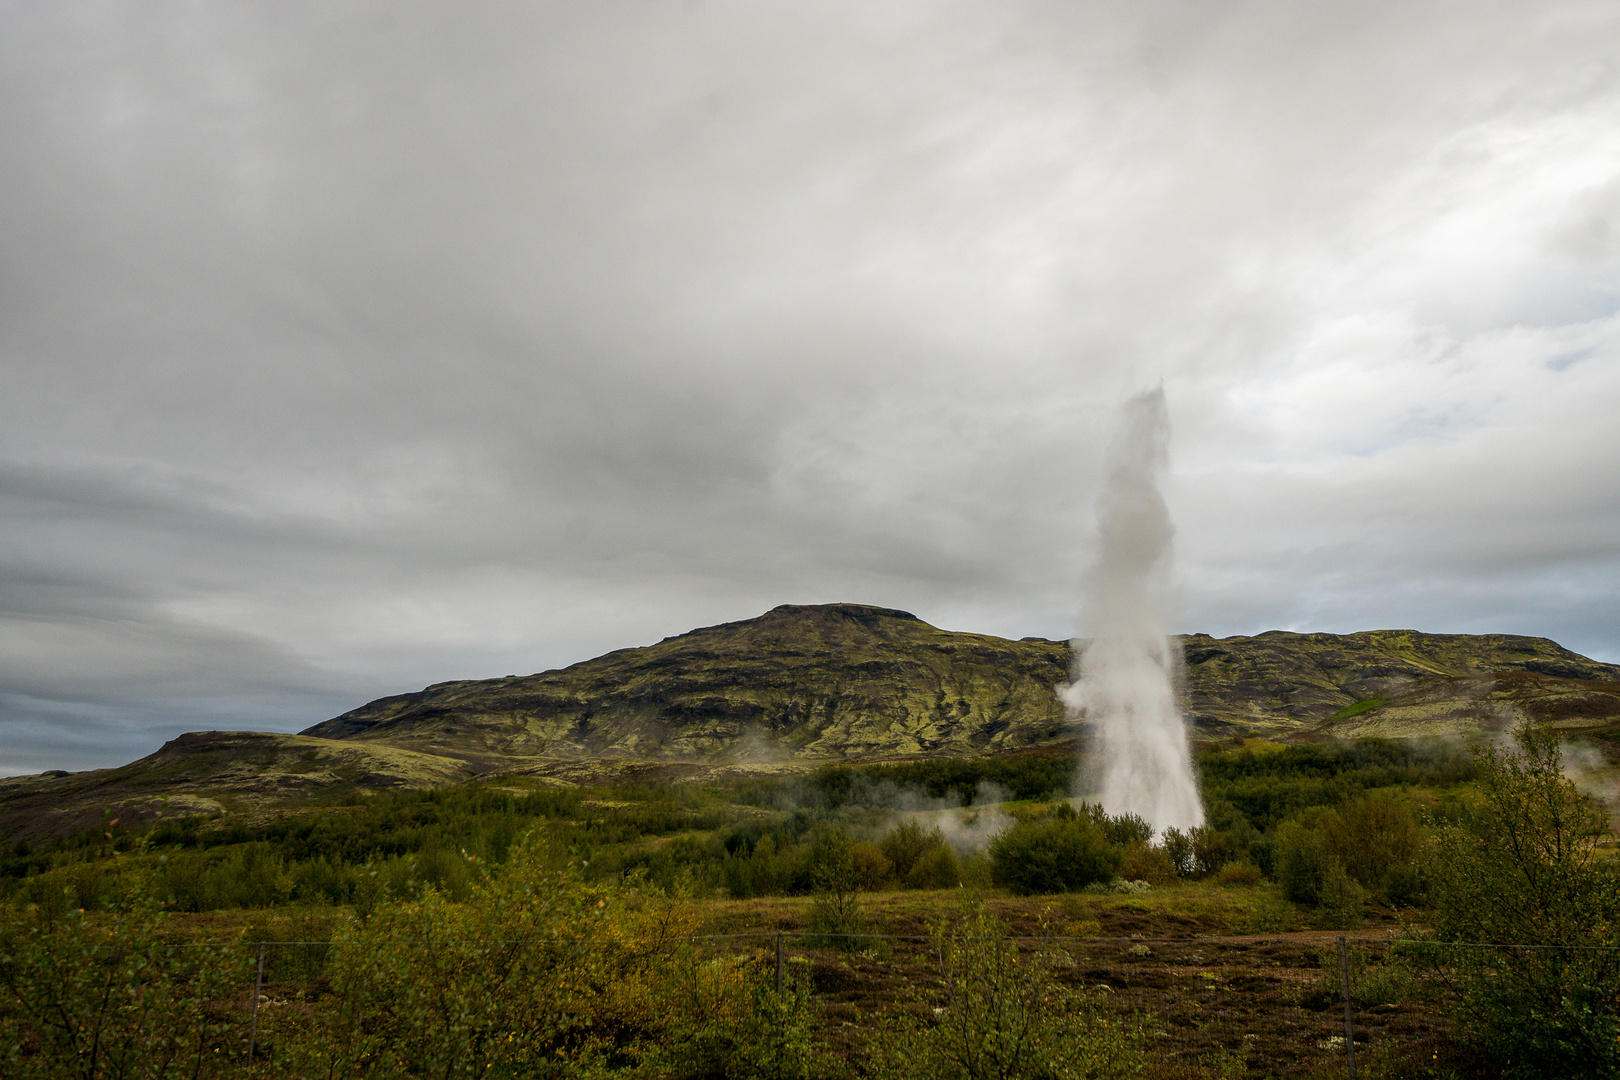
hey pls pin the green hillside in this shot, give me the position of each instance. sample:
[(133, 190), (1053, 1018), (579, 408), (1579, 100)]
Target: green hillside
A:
[(801, 686)]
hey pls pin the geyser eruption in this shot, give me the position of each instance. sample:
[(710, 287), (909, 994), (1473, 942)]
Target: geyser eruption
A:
[(1125, 677)]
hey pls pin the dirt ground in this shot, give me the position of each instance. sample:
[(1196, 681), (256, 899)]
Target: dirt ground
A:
[(1213, 1002), (1215, 996)]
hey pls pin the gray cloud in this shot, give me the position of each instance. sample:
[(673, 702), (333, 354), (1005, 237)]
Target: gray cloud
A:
[(350, 347)]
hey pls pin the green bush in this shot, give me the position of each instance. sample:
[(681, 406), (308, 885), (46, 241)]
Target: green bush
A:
[(1372, 982), (836, 919), (937, 869), (1178, 849), (907, 842), (539, 973), (1520, 871), (107, 995), (1126, 829), (1303, 863), (1058, 852), (1310, 874), (1004, 1016), (1407, 885), (1371, 836), (1210, 850), (725, 1020), (920, 857), (872, 868)]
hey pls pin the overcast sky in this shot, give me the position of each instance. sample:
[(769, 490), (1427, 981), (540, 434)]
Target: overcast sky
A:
[(350, 347)]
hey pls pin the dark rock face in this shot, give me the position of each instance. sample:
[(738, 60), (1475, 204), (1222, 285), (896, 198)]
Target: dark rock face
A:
[(843, 680)]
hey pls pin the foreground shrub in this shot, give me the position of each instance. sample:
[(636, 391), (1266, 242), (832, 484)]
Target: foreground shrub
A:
[(726, 1020), (106, 995), (1060, 852), (1373, 981), (538, 974), (504, 984), (1521, 869), (1005, 1016)]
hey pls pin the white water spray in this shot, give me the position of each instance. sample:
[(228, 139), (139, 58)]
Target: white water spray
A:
[(1126, 676)]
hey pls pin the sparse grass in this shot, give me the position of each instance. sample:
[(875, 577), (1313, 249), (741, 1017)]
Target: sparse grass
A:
[(1365, 705)]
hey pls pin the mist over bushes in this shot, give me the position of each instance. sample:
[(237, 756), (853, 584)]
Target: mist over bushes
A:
[(1299, 815)]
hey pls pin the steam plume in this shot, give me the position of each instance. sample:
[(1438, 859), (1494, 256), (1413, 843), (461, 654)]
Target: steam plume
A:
[(1125, 678)]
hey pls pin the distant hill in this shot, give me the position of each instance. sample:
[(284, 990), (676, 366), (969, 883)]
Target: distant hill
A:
[(1288, 685), (802, 685), (842, 680), (834, 680)]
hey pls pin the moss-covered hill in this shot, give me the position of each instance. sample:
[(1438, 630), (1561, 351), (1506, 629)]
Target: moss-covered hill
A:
[(1280, 683), (211, 772), (802, 685), (834, 680), (842, 680)]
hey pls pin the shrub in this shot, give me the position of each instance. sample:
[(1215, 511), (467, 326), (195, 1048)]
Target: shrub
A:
[(907, 842), (92, 995), (871, 867), (1521, 869), (1341, 902), (835, 918), (724, 1020), (540, 974), (1059, 852), (1210, 850), (1371, 836), (1127, 829), (1005, 1016), (1310, 874), (1387, 983), (1144, 862), (1238, 873), (1303, 862), (518, 979), (1178, 849), (1407, 885), (937, 869)]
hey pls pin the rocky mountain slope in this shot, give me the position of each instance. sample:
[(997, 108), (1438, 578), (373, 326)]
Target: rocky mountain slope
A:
[(801, 685), (1284, 685), (842, 680), (837, 680)]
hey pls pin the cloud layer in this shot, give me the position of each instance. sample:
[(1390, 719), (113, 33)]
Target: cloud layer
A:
[(350, 347)]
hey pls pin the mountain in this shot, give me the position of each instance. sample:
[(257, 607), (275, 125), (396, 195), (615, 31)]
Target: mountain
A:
[(801, 685), (834, 680), (213, 772), (1287, 685), (843, 680)]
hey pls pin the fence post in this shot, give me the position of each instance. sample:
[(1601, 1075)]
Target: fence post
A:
[(258, 984), (1349, 1024), (779, 963)]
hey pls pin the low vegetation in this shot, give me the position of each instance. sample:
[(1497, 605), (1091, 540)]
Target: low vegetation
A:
[(509, 928)]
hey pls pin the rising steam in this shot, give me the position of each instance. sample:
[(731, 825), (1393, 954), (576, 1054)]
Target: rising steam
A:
[(1125, 678)]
